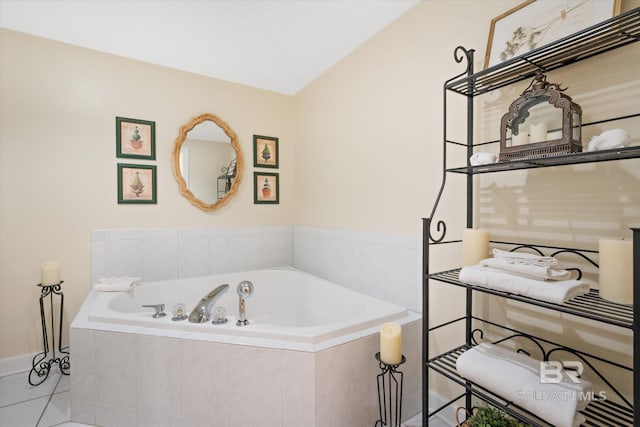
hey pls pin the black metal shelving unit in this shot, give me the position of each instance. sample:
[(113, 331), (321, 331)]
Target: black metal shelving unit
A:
[(611, 34)]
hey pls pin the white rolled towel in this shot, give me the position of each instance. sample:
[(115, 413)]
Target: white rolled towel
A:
[(491, 278), (609, 139), (516, 378), (482, 159), (116, 284)]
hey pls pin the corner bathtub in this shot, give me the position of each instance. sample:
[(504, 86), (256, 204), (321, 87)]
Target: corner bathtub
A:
[(305, 359), (286, 305)]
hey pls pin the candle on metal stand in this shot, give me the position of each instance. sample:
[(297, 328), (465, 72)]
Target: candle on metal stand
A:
[(391, 343), (50, 273)]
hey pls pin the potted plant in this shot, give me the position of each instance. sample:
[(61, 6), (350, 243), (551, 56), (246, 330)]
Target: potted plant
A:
[(486, 416)]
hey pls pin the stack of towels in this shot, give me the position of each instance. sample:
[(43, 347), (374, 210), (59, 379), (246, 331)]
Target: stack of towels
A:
[(525, 274), (516, 378), (116, 284)]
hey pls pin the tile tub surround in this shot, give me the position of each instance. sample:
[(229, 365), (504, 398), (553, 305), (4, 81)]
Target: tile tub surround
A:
[(133, 378), (383, 265), (173, 253)]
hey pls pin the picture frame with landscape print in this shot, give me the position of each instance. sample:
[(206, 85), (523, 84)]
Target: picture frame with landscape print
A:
[(534, 23), (135, 139), (137, 184), (265, 151)]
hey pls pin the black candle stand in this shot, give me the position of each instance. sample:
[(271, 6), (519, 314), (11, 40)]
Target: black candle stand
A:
[(40, 366), (390, 380)]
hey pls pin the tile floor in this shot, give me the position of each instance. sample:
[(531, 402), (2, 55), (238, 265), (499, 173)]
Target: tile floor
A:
[(46, 405), (417, 422)]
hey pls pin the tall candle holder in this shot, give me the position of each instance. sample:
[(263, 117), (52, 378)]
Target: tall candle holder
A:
[(40, 366), (389, 404)]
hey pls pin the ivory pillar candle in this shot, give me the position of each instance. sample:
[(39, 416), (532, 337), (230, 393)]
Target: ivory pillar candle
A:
[(391, 343), (616, 270), (475, 246), (538, 132), (520, 139), (50, 273)]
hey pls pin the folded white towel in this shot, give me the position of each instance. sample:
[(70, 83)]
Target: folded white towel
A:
[(607, 140), (516, 378), (482, 159), (531, 271), (556, 292), (116, 284), (525, 258)]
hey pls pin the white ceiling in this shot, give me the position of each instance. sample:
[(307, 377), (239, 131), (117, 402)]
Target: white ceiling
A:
[(277, 45)]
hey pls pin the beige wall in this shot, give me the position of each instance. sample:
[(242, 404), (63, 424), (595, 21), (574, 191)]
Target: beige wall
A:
[(367, 137), (58, 163), (369, 156)]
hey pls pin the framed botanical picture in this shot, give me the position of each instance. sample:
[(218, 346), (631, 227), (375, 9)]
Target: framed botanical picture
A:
[(266, 188), (533, 24), (265, 151), (135, 139), (137, 184)]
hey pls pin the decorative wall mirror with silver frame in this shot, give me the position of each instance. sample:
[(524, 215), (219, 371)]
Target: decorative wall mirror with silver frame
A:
[(207, 162)]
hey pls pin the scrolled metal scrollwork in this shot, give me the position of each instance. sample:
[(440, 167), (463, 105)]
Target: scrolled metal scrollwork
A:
[(441, 227), (558, 252), (460, 53)]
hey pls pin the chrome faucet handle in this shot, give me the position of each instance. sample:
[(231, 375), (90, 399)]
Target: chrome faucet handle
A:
[(159, 310)]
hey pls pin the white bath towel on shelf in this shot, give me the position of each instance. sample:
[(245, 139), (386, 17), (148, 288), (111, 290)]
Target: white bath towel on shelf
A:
[(525, 258), (482, 159), (529, 270), (556, 291), (609, 139), (116, 284), (516, 378)]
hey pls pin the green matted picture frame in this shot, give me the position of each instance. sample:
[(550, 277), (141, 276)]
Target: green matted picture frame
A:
[(135, 139), (266, 188), (137, 184), (265, 152)]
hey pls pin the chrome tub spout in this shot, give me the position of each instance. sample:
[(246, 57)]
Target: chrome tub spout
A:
[(202, 311)]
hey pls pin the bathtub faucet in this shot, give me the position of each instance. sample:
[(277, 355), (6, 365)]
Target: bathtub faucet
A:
[(202, 311), (245, 290)]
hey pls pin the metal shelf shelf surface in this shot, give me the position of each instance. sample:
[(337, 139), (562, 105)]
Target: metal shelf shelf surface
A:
[(589, 306), (563, 160), (611, 34), (604, 413)]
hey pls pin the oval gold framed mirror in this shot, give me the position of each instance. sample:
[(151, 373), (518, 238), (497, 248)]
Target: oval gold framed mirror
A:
[(207, 162)]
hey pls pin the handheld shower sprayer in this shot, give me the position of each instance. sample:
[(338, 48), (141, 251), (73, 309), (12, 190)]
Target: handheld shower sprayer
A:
[(244, 290)]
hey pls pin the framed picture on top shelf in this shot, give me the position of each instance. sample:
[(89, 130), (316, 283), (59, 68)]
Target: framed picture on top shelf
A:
[(137, 184), (533, 24), (135, 139), (265, 152), (266, 188)]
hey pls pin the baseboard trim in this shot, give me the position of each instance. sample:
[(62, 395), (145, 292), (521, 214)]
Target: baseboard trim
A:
[(16, 364)]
